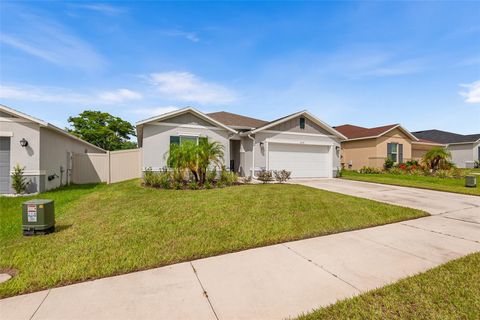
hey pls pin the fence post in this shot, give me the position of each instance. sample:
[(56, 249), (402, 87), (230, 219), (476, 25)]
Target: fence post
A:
[(109, 166)]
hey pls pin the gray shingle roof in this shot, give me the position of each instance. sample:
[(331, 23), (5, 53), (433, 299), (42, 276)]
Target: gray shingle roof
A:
[(445, 136)]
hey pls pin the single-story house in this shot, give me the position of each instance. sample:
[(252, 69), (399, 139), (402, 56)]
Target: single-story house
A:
[(369, 147), (300, 142), (42, 148), (465, 149)]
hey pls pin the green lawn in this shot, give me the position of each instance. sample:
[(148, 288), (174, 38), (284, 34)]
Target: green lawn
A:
[(450, 185), (105, 230), (451, 291)]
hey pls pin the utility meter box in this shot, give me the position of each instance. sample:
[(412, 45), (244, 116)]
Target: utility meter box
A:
[(471, 181), (38, 217)]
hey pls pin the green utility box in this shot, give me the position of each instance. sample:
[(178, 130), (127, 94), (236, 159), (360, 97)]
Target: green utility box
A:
[(38, 217), (471, 181)]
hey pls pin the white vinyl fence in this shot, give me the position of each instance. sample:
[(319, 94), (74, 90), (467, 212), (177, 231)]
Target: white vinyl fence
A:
[(110, 167)]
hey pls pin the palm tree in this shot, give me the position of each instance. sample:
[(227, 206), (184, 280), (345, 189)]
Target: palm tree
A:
[(208, 153), (184, 157), (435, 156)]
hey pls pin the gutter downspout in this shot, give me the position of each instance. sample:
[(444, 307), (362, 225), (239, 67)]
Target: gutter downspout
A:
[(253, 156)]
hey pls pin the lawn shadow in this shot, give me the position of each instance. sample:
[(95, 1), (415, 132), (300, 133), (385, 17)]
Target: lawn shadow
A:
[(62, 227)]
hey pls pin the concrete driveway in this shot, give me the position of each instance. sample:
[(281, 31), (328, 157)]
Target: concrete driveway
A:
[(433, 202), (277, 281)]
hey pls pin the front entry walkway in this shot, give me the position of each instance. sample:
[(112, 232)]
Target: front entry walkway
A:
[(277, 281)]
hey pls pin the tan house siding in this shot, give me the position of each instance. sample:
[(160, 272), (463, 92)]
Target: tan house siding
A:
[(358, 153), (419, 150), (372, 152), (394, 136)]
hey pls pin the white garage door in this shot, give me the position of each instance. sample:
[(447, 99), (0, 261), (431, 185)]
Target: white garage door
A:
[(304, 161)]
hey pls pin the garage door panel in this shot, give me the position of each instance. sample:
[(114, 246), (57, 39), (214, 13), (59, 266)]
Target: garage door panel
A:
[(304, 161)]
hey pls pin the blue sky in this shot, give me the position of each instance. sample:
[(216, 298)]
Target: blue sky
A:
[(363, 63)]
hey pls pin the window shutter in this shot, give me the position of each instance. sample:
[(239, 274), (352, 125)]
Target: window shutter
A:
[(400, 153), (389, 150), (174, 140)]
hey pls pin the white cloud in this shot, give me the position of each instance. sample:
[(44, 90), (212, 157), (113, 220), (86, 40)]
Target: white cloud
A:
[(155, 111), (185, 86), (192, 36), (43, 94), (55, 94), (472, 94), (119, 95), (103, 8), (51, 42)]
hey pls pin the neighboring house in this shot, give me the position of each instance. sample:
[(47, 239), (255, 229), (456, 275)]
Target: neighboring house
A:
[(300, 142), (42, 148), (369, 147), (465, 149)]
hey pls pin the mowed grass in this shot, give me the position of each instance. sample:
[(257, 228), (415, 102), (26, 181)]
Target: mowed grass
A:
[(451, 291), (447, 184), (106, 230)]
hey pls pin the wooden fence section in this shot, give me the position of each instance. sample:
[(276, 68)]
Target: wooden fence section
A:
[(110, 167)]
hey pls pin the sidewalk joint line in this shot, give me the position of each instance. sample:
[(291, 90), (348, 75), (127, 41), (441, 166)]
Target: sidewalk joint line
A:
[(322, 267), (438, 232), (457, 219), (204, 291), (398, 249), (41, 303)]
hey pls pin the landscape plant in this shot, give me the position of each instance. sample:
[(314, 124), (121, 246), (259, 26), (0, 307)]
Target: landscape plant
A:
[(436, 157), (19, 183), (265, 176), (282, 175), (388, 164)]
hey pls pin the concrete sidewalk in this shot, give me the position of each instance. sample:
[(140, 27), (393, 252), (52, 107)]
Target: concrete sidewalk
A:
[(277, 281)]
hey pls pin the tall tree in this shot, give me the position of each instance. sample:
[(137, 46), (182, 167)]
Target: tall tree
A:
[(103, 130)]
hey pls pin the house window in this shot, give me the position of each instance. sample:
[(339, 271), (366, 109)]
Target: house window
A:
[(182, 139), (302, 123), (395, 152)]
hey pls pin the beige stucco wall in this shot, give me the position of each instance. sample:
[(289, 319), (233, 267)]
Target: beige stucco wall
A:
[(156, 138), (419, 150), (55, 148), (372, 152), (358, 153)]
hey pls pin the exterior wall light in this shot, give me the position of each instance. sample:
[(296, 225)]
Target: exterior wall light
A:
[(23, 142)]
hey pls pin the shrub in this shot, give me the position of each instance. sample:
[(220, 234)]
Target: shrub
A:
[(192, 185), (227, 178), (211, 176), (265, 176), (19, 184), (476, 164), (388, 164), (443, 174), (397, 170), (370, 170), (208, 185), (282, 175), (161, 179)]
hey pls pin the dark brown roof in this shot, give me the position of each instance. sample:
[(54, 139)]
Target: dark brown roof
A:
[(355, 132), (445, 136), (236, 120)]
